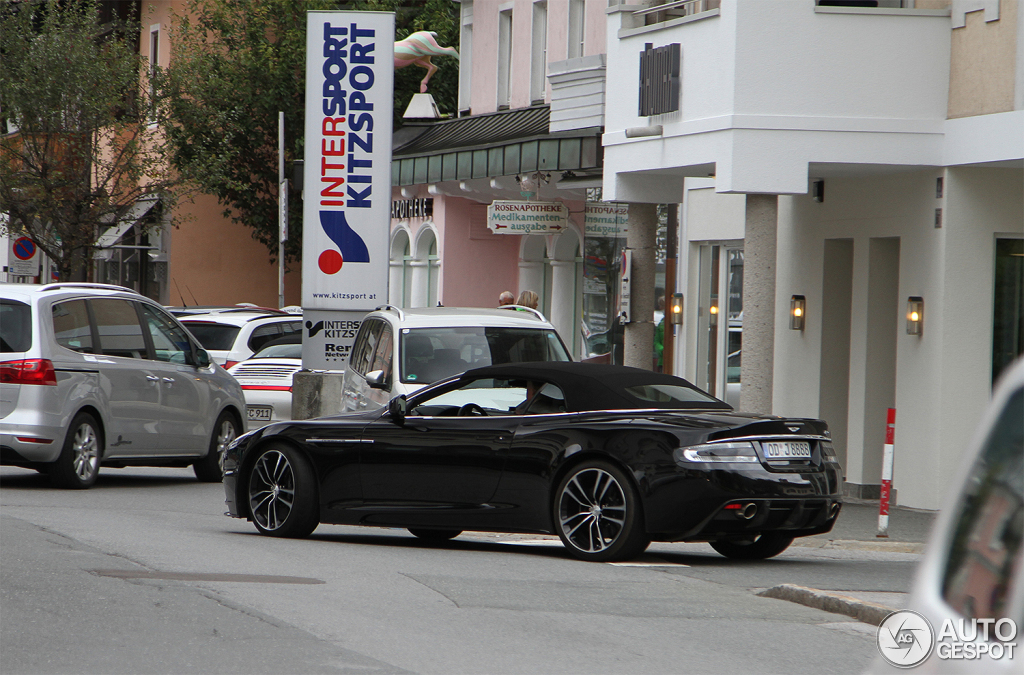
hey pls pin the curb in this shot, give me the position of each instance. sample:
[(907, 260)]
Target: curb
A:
[(866, 612), (862, 545)]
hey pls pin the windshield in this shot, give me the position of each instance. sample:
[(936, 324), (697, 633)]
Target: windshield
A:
[(290, 351), (211, 335), (432, 354)]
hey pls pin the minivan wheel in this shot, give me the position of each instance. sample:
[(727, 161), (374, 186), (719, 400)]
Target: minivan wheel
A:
[(78, 465), (209, 469)]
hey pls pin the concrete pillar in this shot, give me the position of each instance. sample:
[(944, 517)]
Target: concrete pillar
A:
[(420, 282), (759, 263), (396, 282), (638, 339), (531, 277), (563, 299)]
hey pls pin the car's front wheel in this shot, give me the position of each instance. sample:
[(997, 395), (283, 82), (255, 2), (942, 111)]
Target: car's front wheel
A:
[(767, 545), (78, 465), (282, 493), (598, 515), (208, 469)]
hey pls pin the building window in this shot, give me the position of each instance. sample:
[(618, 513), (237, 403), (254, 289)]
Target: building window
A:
[(539, 57), (576, 25), (1008, 315), (154, 62), (504, 58), (466, 57)]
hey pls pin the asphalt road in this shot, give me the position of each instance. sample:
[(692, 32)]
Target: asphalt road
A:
[(143, 574)]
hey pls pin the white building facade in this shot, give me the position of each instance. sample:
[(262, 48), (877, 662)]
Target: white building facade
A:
[(865, 158)]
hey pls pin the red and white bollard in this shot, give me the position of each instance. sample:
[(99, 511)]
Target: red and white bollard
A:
[(883, 502)]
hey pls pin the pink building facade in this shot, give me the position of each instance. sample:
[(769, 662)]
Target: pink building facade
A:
[(531, 109)]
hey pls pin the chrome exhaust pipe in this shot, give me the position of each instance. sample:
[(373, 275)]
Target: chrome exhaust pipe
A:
[(748, 511), (834, 511)]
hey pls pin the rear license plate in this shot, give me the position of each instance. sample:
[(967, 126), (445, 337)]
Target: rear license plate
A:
[(786, 450), (259, 413)]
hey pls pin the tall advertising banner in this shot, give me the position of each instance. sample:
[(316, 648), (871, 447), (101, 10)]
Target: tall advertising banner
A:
[(347, 180)]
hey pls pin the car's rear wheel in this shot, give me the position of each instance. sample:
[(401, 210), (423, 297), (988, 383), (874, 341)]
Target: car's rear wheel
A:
[(766, 545), (598, 515), (434, 535), (78, 465), (282, 493), (208, 469)]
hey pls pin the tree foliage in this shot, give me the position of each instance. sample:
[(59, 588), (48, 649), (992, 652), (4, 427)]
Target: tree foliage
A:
[(234, 65), (77, 151)]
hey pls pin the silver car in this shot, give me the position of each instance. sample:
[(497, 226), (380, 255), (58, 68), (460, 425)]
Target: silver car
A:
[(92, 374)]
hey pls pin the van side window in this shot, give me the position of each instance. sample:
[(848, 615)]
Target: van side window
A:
[(264, 334), (71, 326), (170, 343), (366, 346), (382, 359), (986, 545), (118, 325)]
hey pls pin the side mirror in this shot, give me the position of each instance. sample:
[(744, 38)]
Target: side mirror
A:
[(376, 379), (398, 407), (202, 358)]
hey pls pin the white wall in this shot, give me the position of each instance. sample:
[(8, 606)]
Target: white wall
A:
[(769, 87)]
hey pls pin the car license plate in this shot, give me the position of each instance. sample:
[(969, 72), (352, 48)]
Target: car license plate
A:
[(786, 450), (260, 413)]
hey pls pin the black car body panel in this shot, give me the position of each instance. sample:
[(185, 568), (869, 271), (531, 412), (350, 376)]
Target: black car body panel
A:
[(498, 471)]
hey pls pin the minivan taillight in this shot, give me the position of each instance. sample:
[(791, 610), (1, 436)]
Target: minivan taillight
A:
[(28, 371)]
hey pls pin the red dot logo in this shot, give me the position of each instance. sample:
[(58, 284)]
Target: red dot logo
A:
[(330, 262)]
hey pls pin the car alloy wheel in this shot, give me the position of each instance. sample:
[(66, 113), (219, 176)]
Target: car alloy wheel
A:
[(79, 463), (598, 514), (282, 493)]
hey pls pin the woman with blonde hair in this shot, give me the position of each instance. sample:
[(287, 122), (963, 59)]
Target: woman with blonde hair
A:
[(528, 299)]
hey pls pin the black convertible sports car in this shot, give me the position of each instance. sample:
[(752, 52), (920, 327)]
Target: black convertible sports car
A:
[(607, 457)]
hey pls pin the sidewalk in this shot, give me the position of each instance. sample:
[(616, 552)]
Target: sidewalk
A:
[(856, 529)]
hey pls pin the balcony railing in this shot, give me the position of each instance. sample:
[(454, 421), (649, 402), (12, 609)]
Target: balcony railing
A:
[(675, 10)]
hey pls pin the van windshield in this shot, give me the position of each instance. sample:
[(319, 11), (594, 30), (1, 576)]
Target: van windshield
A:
[(432, 354)]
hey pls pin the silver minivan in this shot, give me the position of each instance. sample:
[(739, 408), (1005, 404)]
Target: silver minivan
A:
[(398, 351), (92, 374)]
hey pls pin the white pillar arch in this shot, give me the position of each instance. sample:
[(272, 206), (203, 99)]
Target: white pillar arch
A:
[(398, 267), (563, 299), (531, 275), (420, 291)]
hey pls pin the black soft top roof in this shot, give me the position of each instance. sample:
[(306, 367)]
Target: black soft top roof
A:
[(591, 386)]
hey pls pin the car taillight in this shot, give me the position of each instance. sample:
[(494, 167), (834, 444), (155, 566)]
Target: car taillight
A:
[(266, 387), (228, 364), (28, 371)]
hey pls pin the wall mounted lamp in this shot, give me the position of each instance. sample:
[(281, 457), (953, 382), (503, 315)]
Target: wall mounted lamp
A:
[(713, 315), (915, 315), (675, 316), (797, 312)]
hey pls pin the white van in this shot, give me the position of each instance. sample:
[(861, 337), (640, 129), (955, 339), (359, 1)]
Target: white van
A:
[(398, 351)]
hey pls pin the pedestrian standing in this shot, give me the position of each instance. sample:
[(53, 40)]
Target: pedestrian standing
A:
[(528, 299)]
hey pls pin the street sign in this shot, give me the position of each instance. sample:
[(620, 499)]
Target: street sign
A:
[(23, 261), (507, 217), (605, 219)]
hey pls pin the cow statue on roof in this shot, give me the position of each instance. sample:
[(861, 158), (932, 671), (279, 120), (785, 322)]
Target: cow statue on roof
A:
[(418, 49)]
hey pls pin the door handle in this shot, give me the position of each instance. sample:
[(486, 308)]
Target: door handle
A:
[(169, 380), (152, 378)]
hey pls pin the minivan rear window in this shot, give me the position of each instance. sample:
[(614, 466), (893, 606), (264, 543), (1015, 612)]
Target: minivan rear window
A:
[(15, 326), (211, 335), (71, 326)]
